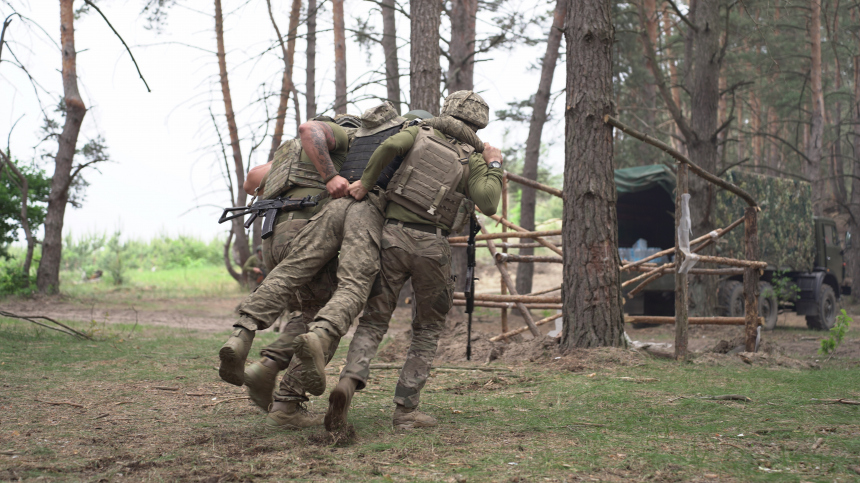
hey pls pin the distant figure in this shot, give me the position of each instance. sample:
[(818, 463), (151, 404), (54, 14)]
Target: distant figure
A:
[(254, 269), (95, 277)]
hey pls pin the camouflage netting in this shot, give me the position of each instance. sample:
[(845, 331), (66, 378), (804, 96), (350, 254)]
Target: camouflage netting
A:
[(785, 224)]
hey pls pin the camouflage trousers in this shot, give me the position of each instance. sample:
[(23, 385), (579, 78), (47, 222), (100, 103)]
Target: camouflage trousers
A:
[(345, 225), (426, 258)]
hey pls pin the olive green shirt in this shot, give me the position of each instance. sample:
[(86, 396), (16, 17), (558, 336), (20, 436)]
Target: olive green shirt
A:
[(485, 183), (251, 263), (338, 156)]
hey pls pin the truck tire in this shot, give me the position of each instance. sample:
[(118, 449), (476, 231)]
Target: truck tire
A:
[(826, 316), (768, 305), (731, 298)]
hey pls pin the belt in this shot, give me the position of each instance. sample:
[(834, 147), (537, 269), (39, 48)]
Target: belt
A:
[(417, 226)]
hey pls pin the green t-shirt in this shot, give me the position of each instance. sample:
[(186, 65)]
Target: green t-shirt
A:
[(338, 156), (485, 183), (251, 263)]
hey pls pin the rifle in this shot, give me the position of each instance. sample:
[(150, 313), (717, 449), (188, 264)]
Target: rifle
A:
[(269, 209), (474, 228)]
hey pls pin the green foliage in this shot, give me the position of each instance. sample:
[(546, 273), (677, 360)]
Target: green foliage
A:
[(115, 250), (837, 334), (10, 201), (783, 288), (13, 280)]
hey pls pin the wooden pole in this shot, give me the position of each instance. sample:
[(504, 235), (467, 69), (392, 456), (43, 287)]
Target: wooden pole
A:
[(504, 288), (504, 257), (751, 276), (535, 299), (510, 234), (653, 319), (505, 222), (534, 184), (525, 328), (681, 318), (509, 305), (506, 277)]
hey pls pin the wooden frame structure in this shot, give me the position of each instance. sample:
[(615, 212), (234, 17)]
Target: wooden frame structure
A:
[(509, 298)]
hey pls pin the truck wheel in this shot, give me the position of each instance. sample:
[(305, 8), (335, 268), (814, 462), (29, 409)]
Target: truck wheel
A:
[(826, 316), (731, 298), (768, 305)]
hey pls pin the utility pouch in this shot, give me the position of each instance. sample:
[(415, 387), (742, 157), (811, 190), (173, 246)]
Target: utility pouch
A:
[(464, 212), (288, 171)]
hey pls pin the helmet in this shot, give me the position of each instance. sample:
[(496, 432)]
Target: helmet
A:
[(468, 107), (259, 248), (347, 120)]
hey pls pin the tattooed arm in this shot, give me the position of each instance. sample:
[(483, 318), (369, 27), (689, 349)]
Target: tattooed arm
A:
[(317, 139)]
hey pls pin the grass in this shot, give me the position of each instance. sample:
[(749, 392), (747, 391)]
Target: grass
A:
[(564, 419), (190, 282)]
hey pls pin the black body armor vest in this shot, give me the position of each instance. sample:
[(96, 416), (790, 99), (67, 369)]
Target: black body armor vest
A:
[(361, 150)]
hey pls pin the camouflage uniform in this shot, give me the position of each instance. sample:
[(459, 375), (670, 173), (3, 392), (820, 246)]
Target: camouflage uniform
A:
[(248, 269), (416, 248)]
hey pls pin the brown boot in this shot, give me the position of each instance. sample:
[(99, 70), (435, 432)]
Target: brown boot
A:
[(310, 349), (292, 415), (260, 378), (408, 418), (233, 354), (338, 403)]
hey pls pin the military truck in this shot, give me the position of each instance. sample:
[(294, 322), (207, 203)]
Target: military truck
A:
[(803, 253)]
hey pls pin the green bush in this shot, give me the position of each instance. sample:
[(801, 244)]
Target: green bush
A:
[(13, 280)]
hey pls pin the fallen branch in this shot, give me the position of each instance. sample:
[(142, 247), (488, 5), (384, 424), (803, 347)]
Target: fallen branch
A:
[(165, 388), (817, 443), (727, 397), (838, 401), (225, 400), (60, 403), (32, 318), (444, 368)]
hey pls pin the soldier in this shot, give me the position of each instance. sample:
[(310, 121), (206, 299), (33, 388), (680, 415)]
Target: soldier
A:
[(431, 195), (253, 268)]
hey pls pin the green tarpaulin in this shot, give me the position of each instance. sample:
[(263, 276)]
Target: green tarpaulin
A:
[(641, 178)]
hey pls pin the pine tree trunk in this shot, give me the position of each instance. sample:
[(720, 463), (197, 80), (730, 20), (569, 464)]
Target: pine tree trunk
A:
[(425, 73), (389, 49), (461, 70), (853, 253), (288, 52), (816, 133), (241, 243), (310, 82), (339, 58), (48, 274), (525, 271), (591, 291)]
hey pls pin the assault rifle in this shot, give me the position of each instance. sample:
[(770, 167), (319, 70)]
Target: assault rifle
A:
[(474, 228), (269, 210)]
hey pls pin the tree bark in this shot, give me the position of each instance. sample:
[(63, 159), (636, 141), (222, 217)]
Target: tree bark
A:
[(288, 52), (241, 243), (591, 292), (854, 219), (310, 82), (816, 133), (425, 73), (48, 274), (389, 48), (461, 69), (339, 58), (525, 271)]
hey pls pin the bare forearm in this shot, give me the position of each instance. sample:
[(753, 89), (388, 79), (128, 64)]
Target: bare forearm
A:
[(255, 177), (317, 139)]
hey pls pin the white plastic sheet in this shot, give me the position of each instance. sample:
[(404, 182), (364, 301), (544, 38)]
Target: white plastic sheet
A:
[(684, 230)]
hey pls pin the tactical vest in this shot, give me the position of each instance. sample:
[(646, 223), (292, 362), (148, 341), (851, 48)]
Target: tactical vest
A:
[(360, 151), (288, 170), (426, 183)]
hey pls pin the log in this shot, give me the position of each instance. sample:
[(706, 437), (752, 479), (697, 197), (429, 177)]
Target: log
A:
[(510, 234), (695, 271), (499, 245), (681, 158), (707, 239), (534, 184), (751, 276), (654, 319), (732, 262), (519, 229), (682, 321), (524, 328), (485, 297), (505, 257), (556, 289), (506, 277), (648, 273), (508, 305), (504, 318)]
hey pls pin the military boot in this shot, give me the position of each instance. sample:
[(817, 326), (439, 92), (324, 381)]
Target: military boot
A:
[(338, 403), (408, 418), (292, 415), (310, 349), (233, 354), (260, 378)]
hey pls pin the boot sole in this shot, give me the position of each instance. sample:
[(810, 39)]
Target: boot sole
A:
[(232, 368), (338, 405), (312, 379)]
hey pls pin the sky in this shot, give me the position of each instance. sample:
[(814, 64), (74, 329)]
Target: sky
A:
[(165, 176)]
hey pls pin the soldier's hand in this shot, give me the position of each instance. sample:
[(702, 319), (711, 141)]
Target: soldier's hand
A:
[(357, 190), (337, 187), (492, 153)]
